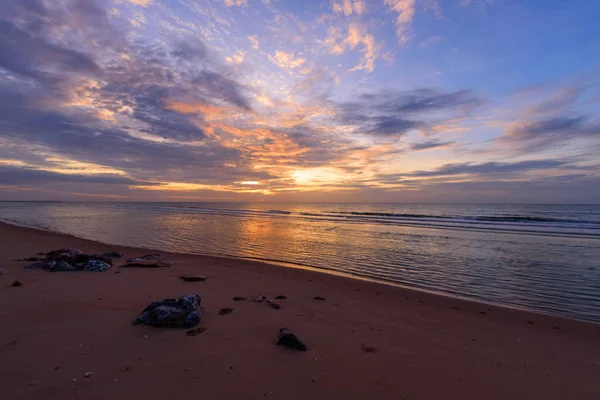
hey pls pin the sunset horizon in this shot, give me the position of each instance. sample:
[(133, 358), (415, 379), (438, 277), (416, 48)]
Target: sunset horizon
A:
[(348, 100)]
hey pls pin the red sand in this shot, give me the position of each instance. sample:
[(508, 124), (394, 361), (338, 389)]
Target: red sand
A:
[(60, 325)]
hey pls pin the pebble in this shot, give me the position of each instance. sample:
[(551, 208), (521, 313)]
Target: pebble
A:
[(87, 374)]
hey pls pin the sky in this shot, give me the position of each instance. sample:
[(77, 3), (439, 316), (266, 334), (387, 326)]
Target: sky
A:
[(283, 100)]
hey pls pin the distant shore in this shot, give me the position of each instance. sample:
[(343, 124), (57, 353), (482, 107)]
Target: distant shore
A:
[(365, 340)]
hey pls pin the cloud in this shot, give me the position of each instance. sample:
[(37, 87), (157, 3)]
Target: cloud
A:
[(489, 168), (406, 12), (237, 58), (430, 144), (25, 176), (347, 7), (254, 42), (29, 56), (236, 3), (141, 3), (286, 60), (396, 113), (338, 43), (549, 132)]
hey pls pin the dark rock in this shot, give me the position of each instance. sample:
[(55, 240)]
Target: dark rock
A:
[(110, 255), (319, 298), (274, 305), (84, 258), (288, 339), (30, 259), (146, 264), (225, 311), (63, 266), (183, 312), (369, 349), (147, 257), (42, 265), (16, 284), (192, 278), (196, 331), (280, 297), (96, 266), (239, 298), (68, 255)]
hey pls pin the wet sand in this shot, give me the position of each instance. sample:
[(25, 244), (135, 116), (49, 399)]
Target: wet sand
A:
[(366, 340)]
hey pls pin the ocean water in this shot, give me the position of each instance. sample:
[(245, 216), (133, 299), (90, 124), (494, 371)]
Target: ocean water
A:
[(537, 257)]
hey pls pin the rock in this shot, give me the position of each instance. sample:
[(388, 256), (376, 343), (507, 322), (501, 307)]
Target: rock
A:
[(16, 284), (96, 266), (110, 255), (196, 331), (87, 374), (280, 297), (63, 266), (42, 265), (147, 257), (369, 349), (68, 255), (225, 311), (239, 298), (84, 258), (274, 305), (192, 278), (183, 312), (319, 298), (288, 339), (30, 259), (258, 299), (146, 264), (3, 271)]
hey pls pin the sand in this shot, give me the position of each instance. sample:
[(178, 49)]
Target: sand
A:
[(366, 340)]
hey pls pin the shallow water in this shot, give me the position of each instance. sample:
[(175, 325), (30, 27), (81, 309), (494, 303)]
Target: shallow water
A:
[(538, 257)]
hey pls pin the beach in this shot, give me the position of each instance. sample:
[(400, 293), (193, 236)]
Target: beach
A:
[(365, 340)]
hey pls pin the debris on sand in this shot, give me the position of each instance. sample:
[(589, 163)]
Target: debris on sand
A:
[(16, 284), (239, 298), (258, 299), (196, 331), (183, 312), (87, 374), (319, 298), (147, 257), (67, 260), (288, 339), (369, 349), (29, 259), (225, 311), (192, 278), (96, 266), (280, 297), (274, 305), (142, 263)]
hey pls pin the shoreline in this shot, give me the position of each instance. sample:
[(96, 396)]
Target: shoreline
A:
[(467, 348), (347, 275)]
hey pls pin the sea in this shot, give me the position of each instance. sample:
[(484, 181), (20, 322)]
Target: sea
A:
[(543, 258)]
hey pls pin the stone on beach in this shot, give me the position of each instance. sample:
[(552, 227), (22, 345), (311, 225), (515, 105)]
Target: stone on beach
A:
[(42, 265), (16, 284), (30, 259), (288, 339), (96, 266), (146, 264), (147, 257), (68, 255), (225, 311), (192, 278), (63, 266), (183, 312)]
